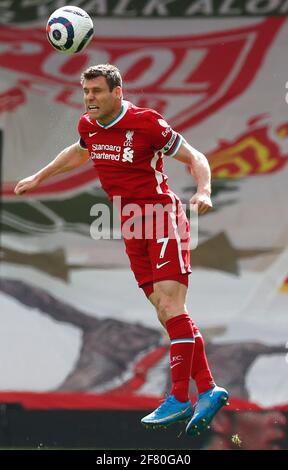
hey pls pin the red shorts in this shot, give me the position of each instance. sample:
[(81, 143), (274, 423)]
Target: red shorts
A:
[(159, 249)]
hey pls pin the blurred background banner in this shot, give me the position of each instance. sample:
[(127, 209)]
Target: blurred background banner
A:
[(72, 318), (28, 10)]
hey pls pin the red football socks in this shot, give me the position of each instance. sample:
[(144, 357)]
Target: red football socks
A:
[(200, 370), (180, 330)]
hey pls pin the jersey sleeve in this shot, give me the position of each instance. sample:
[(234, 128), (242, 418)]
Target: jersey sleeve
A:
[(81, 140), (164, 138), (82, 144)]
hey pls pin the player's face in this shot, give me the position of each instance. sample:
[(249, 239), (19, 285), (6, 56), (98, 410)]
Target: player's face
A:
[(101, 103)]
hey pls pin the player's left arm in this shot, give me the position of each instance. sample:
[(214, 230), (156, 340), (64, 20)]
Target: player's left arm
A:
[(200, 169)]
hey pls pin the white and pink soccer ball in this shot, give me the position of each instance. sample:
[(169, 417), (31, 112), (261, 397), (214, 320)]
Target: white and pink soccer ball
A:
[(69, 29)]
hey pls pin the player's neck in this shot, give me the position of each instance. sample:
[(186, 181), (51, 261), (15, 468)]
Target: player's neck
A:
[(111, 117)]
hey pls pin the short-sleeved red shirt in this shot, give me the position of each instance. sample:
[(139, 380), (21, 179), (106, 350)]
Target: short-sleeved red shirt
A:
[(128, 152)]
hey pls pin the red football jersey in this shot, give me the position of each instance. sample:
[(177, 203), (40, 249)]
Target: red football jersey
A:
[(128, 152)]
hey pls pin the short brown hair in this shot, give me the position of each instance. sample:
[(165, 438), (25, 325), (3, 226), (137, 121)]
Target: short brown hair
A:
[(110, 72)]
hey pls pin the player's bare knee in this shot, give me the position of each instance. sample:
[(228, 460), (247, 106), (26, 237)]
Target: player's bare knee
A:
[(161, 320), (153, 298), (168, 307)]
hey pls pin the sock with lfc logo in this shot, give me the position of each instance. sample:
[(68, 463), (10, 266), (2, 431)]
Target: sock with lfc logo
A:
[(180, 330)]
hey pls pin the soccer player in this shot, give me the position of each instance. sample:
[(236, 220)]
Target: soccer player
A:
[(127, 145)]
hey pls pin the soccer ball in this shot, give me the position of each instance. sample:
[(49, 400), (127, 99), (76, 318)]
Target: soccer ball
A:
[(69, 29)]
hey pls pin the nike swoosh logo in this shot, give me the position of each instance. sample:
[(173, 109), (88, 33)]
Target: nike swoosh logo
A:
[(174, 415), (174, 365), (158, 266), (92, 133)]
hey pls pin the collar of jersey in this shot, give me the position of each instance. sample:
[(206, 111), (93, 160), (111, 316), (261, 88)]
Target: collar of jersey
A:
[(117, 118)]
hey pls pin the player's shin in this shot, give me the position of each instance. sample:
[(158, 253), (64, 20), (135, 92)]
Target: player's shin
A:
[(200, 370), (181, 335)]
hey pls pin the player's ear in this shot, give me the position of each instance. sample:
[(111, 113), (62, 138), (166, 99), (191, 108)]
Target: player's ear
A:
[(222, 423), (118, 92)]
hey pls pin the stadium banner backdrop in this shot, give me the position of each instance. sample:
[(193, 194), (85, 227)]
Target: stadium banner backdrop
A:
[(75, 329), (22, 10)]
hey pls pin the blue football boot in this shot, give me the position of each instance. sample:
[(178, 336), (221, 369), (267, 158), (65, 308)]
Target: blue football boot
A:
[(169, 412), (207, 405)]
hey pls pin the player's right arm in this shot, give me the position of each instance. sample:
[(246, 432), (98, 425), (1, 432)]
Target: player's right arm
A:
[(71, 157)]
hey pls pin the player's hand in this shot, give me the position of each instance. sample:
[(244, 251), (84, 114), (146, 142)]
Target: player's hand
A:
[(201, 201), (26, 185)]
